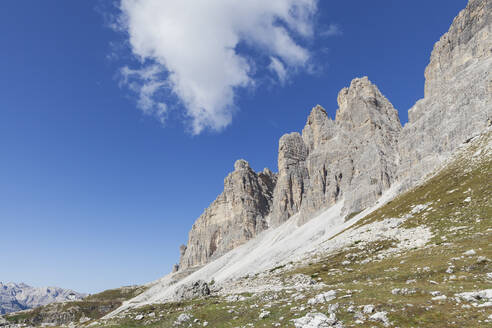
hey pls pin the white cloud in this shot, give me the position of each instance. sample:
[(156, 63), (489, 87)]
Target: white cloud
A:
[(332, 30), (279, 68), (146, 83), (190, 48)]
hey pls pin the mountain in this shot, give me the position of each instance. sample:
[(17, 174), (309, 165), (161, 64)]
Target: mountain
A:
[(237, 215), (363, 151), (366, 223), (418, 259), (16, 297)]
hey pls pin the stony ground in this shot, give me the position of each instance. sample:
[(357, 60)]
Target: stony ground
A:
[(422, 260)]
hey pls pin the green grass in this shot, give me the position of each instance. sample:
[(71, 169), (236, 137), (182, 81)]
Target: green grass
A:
[(351, 215)]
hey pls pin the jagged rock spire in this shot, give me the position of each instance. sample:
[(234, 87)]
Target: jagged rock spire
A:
[(292, 177), (237, 215), (352, 157), (362, 103), (319, 128)]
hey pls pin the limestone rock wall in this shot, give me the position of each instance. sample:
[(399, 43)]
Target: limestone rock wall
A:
[(458, 94), (292, 178), (360, 160), (353, 157), (237, 215)]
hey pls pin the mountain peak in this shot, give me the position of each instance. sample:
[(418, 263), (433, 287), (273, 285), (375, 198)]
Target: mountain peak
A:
[(318, 129), (363, 103), (241, 164)]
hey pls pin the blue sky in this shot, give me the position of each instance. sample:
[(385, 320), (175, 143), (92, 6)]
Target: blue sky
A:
[(96, 194)]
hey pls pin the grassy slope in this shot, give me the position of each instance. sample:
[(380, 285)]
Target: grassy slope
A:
[(457, 225)]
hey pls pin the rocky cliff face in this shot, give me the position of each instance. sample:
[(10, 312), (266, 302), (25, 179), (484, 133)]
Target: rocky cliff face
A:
[(292, 177), (353, 157), (237, 215), (359, 161), (458, 94), (16, 297), (364, 150)]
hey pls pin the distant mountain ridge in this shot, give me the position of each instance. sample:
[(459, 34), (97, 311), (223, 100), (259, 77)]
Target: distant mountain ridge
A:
[(16, 297)]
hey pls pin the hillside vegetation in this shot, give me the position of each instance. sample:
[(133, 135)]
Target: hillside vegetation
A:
[(379, 283)]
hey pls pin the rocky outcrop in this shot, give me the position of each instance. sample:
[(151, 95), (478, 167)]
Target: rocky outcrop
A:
[(292, 177), (195, 289), (364, 150), (359, 162), (15, 297), (458, 94), (353, 157), (237, 215)]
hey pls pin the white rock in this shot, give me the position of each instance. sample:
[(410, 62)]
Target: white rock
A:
[(381, 317), (264, 314), (368, 309), (316, 320), (403, 291), (332, 308), (485, 295), (235, 298), (482, 259), (419, 208), (182, 318), (439, 298), (322, 298), (486, 304), (471, 252), (139, 317)]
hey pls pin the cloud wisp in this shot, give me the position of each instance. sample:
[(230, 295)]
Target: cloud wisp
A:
[(190, 49), (332, 30)]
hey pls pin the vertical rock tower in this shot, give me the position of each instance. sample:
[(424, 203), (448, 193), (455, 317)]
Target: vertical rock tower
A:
[(237, 215), (353, 157)]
